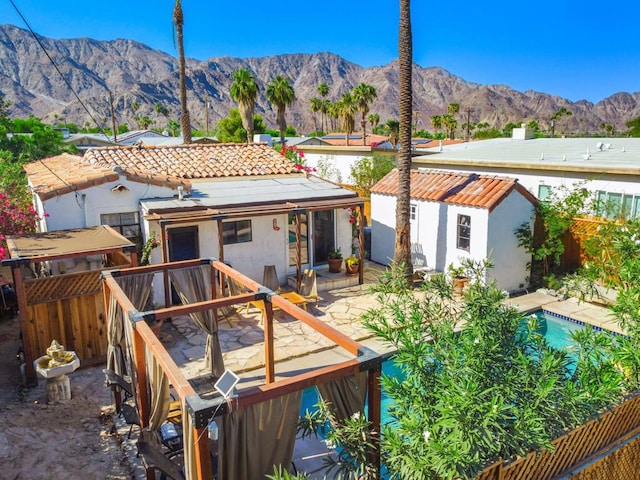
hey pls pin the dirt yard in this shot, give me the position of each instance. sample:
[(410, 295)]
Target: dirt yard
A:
[(74, 440)]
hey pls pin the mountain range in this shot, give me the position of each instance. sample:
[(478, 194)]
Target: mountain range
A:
[(137, 74)]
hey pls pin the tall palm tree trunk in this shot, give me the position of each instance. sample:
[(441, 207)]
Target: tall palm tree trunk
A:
[(185, 119), (402, 251)]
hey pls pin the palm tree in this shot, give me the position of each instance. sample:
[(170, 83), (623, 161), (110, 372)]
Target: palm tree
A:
[(245, 91), (323, 91), (185, 118), (392, 129), (280, 94), (347, 109), (363, 95), (436, 122), (402, 250), (324, 110), (450, 124), (374, 120), (333, 112), (316, 106)]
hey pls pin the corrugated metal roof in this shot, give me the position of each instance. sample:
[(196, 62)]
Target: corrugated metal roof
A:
[(471, 190)]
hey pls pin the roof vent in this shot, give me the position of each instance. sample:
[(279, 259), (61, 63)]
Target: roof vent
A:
[(542, 156), (564, 157), (180, 192), (600, 146), (607, 146), (586, 156)]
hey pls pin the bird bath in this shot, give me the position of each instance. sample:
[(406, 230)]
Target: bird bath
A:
[(54, 367)]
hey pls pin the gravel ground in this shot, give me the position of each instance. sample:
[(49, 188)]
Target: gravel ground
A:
[(77, 439)]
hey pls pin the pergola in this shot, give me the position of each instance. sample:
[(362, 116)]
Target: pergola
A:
[(200, 404)]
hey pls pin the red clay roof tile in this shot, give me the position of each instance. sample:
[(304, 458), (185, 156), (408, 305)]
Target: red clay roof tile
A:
[(471, 190)]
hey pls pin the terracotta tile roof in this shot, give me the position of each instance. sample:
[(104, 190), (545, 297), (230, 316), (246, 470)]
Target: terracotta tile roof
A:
[(194, 161), (471, 190), (66, 173)]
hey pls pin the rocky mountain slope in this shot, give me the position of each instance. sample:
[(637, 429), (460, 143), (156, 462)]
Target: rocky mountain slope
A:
[(136, 73)]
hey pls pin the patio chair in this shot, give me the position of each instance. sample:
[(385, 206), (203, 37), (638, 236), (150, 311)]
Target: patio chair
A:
[(128, 412), (309, 286), (155, 459)]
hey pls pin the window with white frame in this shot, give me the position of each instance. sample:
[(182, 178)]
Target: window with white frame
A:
[(126, 223), (413, 212), (464, 232), (238, 231), (617, 205)]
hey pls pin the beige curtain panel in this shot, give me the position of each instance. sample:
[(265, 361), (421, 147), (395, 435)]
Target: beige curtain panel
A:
[(138, 289), (345, 396), (193, 285), (254, 439)]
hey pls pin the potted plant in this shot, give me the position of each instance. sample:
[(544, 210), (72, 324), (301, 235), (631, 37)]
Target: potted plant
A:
[(335, 260), (459, 277), (352, 265)]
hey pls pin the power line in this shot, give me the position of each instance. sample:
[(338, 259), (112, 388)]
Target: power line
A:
[(35, 36)]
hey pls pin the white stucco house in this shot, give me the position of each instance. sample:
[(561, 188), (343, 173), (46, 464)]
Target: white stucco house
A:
[(455, 216), (236, 202), (609, 166)]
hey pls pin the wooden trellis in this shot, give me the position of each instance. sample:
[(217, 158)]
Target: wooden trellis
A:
[(577, 447)]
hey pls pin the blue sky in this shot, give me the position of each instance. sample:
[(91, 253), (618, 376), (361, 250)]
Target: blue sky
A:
[(577, 50)]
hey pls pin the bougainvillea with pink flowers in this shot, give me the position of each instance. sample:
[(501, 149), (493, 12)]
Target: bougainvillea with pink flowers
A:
[(17, 218), (297, 157)]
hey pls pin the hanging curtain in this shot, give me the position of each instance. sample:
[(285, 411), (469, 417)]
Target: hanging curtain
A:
[(137, 288), (345, 395), (115, 337), (193, 285), (158, 392), (254, 439)]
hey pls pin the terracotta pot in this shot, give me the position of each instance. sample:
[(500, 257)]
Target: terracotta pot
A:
[(335, 264), (352, 269), (459, 284)]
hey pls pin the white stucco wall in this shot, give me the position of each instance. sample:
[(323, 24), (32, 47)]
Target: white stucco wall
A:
[(84, 207), (383, 223), (511, 271), (478, 241), (339, 158)]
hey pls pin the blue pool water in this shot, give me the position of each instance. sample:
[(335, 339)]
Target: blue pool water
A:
[(557, 331)]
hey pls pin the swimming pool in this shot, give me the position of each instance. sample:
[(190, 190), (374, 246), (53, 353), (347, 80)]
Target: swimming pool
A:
[(556, 329)]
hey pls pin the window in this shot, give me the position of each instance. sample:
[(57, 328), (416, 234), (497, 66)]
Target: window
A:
[(464, 232), (413, 212), (236, 232), (544, 192), (617, 205), (127, 224)]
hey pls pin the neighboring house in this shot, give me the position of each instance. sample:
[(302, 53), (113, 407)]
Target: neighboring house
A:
[(456, 216), (334, 162), (172, 141), (235, 202), (301, 142), (611, 165), (133, 136), (85, 141), (355, 139)]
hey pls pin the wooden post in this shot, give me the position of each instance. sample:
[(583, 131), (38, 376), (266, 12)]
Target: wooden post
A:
[(361, 244), (269, 361), (299, 252), (27, 337), (141, 375), (203, 454), (164, 244), (374, 411)]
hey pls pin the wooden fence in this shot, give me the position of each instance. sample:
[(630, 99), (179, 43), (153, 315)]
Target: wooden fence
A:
[(583, 446), (70, 309)]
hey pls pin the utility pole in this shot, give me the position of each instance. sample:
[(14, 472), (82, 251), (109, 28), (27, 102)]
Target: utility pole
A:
[(113, 118), (468, 110)]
